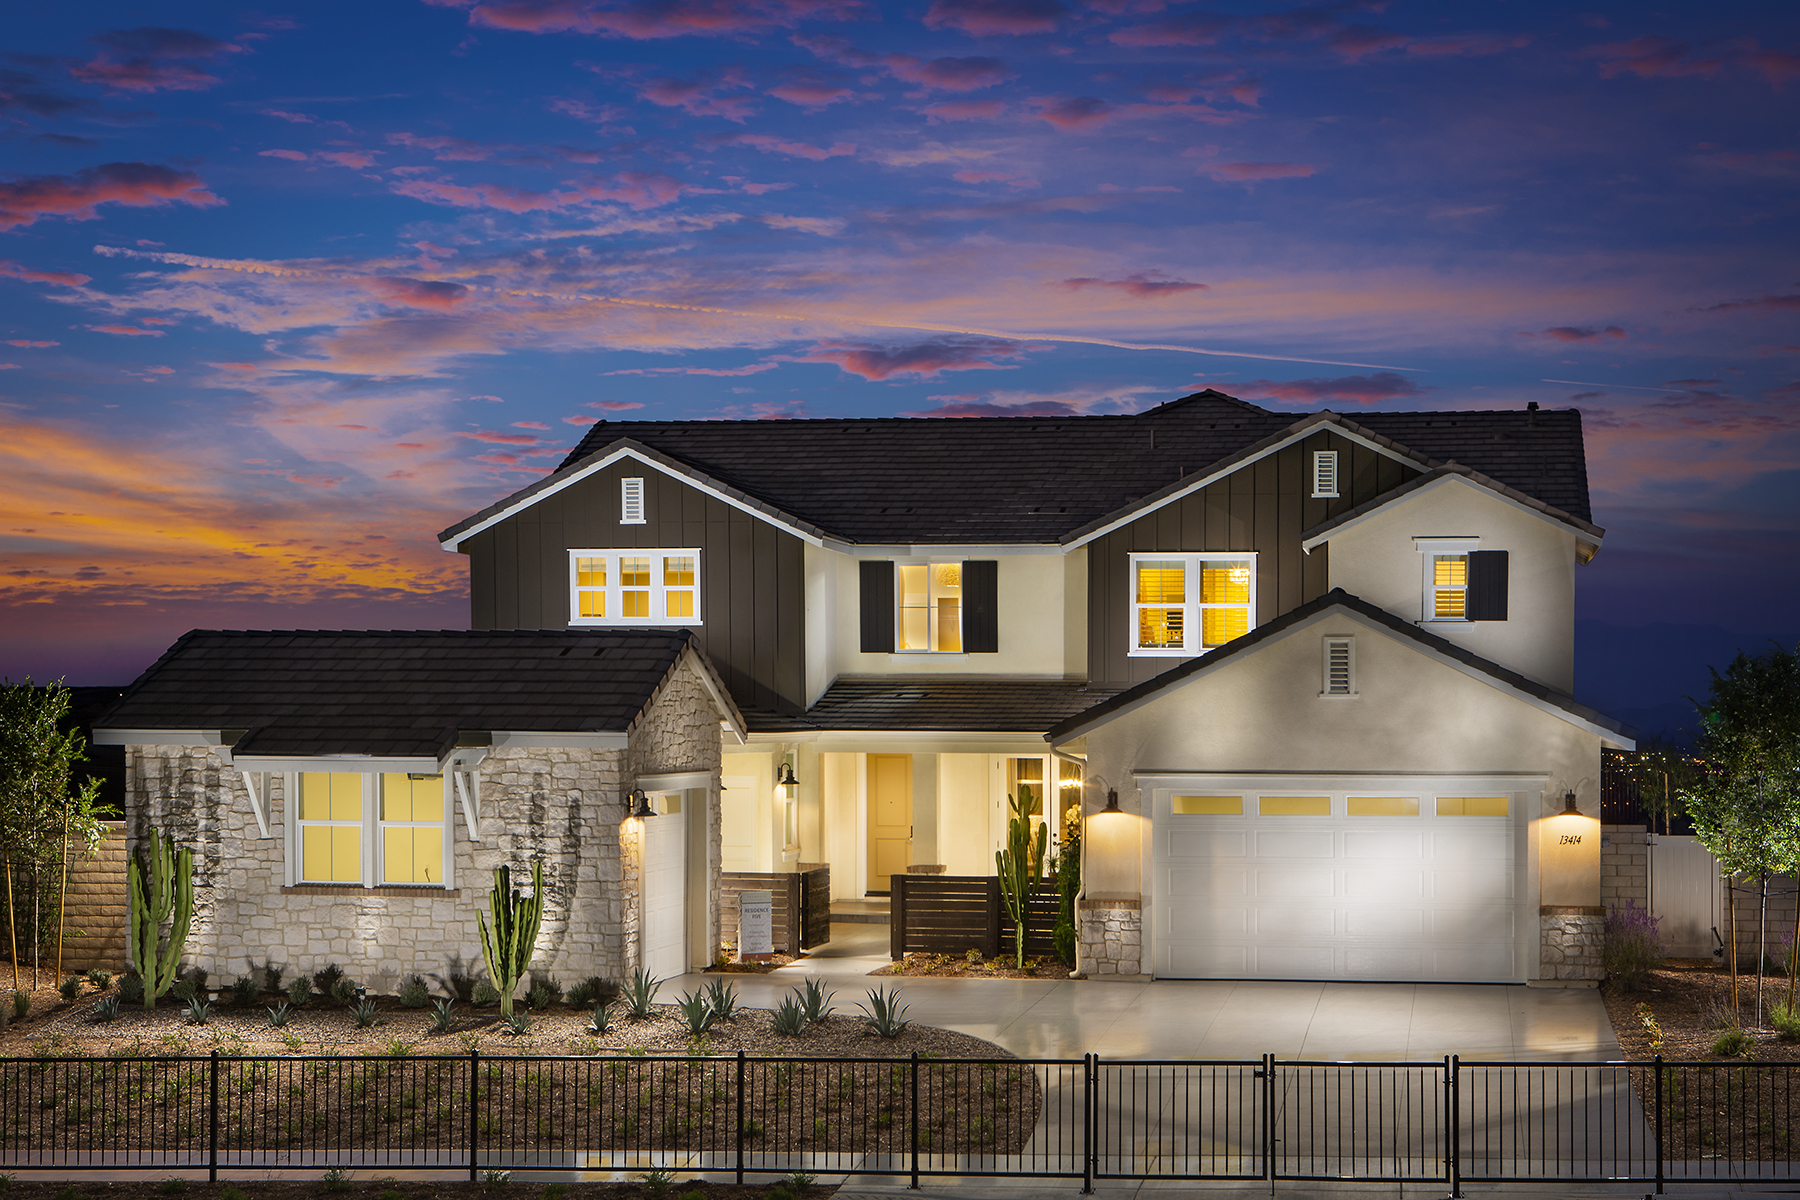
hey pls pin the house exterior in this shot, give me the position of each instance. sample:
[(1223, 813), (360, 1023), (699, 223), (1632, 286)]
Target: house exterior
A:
[(348, 794), (1308, 679)]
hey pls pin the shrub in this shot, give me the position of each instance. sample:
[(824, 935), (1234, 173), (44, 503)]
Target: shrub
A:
[(107, 1009), (101, 980), (343, 991), (1733, 1043), (21, 1006), (544, 991), (327, 978), (657, 1182), (131, 987), (244, 991), (172, 1187), (1632, 948), (414, 993), (485, 994), (1786, 1022), (591, 991), (336, 1181), (69, 988), (458, 980), (299, 991), (185, 990), (271, 975), (1647, 1019)]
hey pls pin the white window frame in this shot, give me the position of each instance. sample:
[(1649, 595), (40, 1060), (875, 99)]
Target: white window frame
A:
[(614, 600), (373, 867), (1325, 475), (1430, 548), (1192, 606), (932, 617), (1348, 645), (631, 501)]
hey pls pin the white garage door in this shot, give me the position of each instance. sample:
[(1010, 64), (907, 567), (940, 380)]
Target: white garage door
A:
[(665, 924), (1336, 882)]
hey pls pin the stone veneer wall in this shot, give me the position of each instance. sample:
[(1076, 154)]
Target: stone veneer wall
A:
[(565, 806), (1111, 937), (1569, 943), (1624, 865)]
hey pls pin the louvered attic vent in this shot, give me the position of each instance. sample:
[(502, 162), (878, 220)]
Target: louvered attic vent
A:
[(1340, 667), (1325, 474), (631, 501)]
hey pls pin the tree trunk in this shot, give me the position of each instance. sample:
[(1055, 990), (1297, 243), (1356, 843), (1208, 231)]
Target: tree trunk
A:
[(1762, 939), (1793, 954), (37, 927), (1731, 939), (62, 899), (12, 924)]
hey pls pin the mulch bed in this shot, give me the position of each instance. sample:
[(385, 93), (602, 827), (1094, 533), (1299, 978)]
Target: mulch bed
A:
[(389, 1189), (1691, 1002), (960, 966), (733, 967)]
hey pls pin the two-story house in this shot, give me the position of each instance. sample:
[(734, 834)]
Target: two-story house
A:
[(1311, 678)]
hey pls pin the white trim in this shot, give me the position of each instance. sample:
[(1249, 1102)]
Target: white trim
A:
[(613, 589), (1581, 536), (468, 789), (631, 501), (917, 741), (676, 781), (339, 762), (1446, 545), (1212, 477), (157, 737), (259, 801), (1607, 737), (581, 473), (1325, 475), (730, 721)]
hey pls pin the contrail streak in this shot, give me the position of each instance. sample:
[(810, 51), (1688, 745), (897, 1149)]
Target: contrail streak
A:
[(1628, 386)]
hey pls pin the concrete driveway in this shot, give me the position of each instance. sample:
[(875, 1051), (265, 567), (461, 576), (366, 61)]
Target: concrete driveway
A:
[(1203, 1019)]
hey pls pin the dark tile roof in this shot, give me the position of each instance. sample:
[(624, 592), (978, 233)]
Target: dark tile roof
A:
[(1034, 479), (1431, 477), (394, 693), (1338, 597), (933, 703)]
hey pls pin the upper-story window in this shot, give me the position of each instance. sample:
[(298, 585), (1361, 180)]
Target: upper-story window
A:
[(930, 607), (1449, 592), (368, 829), (1462, 581), (1187, 604), (634, 587)]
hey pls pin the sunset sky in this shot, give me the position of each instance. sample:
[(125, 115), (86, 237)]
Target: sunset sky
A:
[(284, 291)]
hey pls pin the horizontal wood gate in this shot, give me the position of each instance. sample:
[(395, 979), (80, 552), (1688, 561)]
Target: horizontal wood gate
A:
[(953, 914), (801, 900)]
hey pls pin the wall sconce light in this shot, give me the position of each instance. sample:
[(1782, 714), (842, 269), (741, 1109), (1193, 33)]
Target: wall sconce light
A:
[(785, 776), (639, 803), (1569, 809), (1112, 801)]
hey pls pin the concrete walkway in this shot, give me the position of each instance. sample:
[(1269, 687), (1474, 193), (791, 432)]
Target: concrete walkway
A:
[(1204, 1019)]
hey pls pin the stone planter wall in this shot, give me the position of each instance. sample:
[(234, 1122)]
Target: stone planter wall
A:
[(1110, 932), (1570, 940)]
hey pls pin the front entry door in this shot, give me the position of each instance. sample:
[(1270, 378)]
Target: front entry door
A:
[(890, 818)]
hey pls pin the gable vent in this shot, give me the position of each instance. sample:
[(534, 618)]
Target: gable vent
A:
[(1340, 667), (631, 501), (1325, 474)]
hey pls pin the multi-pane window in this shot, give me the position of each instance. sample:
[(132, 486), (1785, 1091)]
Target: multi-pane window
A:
[(930, 602), (366, 829), (1190, 603), (634, 587), (1449, 591)]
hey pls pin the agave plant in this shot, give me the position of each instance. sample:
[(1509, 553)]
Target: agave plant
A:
[(887, 1015), (815, 1001), (602, 1021), (443, 1016), (640, 994), (696, 1012), (281, 1014), (364, 1013), (198, 1010), (107, 1009), (790, 1018), (722, 998)]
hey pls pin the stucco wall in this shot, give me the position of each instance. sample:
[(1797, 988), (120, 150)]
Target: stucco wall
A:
[(1377, 561)]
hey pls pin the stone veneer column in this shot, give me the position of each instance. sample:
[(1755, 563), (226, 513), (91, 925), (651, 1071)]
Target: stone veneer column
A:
[(1110, 935), (1570, 940)]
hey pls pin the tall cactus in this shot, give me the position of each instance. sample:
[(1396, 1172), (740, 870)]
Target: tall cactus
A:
[(1020, 866), (507, 944), (159, 890)]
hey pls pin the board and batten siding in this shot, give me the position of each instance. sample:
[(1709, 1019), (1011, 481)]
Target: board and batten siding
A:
[(752, 578), (1265, 507)]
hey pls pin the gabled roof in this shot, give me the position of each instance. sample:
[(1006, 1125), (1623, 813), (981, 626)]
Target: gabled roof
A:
[(1447, 652), (1032, 480), (1590, 532), (934, 703), (401, 694)]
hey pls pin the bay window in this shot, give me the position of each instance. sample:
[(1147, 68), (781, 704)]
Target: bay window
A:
[(1187, 604), (372, 830), (634, 587)]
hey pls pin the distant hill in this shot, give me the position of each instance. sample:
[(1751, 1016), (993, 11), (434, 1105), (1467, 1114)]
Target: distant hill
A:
[(1642, 674)]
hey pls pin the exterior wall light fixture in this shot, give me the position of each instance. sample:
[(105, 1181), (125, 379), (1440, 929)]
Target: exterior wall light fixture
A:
[(1569, 809), (639, 803), (1112, 801), (785, 776)]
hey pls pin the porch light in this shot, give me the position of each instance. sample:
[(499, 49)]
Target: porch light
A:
[(639, 803), (785, 776), (1569, 809), (1112, 802)]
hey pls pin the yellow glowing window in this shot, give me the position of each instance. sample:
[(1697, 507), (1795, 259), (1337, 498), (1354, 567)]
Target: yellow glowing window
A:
[(1225, 583), (1190, 604), (1209, 806), (1471, 806), (669, 805), (1383, 806), (1161, 583), (330, 796), (413, 854), (1294, 806), (678, 584), (330, 815), (412, 797), (590, 572), (1221, 625), (643, 587), (930, 603), (1449, 585)]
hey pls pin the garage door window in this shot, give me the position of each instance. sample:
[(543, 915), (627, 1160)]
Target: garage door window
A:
[(1294, 806), (1471, 806), (1383, 806), (1209, 806)]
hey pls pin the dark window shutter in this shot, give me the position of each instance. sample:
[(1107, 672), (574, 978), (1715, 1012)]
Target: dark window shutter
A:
[(877, 606), (981, 606), (1487, 585)]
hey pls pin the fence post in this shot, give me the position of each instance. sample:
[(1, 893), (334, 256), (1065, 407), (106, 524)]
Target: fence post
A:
[(1659, 1125), (740, 1118), (1268, 1117), (1453, 1107), (474, 1106), (914, 1123), (993, 916), (897, 917), (1089, 1082), (794, 914), (212, 1132)]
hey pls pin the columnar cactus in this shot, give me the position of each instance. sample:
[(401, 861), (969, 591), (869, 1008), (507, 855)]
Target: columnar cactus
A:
[(1020, 866), (508, 943), (159, 889)]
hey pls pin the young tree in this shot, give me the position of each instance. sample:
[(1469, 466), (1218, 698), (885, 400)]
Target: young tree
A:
[(44, 811), (1659, 771), (1746, 802)]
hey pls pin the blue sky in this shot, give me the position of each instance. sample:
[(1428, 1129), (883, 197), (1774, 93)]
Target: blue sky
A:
[(285, 291)]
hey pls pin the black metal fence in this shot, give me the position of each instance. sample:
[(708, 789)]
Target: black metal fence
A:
[(1444, 1121)]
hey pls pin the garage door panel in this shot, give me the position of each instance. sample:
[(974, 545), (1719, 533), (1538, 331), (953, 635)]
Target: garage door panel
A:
[(1314, 922), (1287, 883), (1198, 882), (1193, 960), (1384, 922), (1397, 885), (1493, 961), (1284, 843), (1385, 846), (1475, 882), (1460, 924), (1208, 844), (1295, 962), (1208, 921), (1384, 962), (1471, 841)]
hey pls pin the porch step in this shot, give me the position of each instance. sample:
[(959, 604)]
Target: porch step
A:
[(857, 918), (872, 911)]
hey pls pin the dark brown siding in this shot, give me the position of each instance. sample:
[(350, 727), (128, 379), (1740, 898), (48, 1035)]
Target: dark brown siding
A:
[(1265, 507), (752, 575)]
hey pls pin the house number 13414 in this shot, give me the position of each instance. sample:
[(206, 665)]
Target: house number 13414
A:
[(1570, 839)]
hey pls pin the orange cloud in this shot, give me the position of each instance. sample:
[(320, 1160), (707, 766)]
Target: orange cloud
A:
[(924, 359), (126, 330), (64, 278), (418, 293), (1144, 284), (75, 197)]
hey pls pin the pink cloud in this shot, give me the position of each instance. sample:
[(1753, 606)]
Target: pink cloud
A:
[(1651, 57), (1760, 303), (812, 90), (960, 407), (1467, 45), (126, 330), (1188, 29), (964, 110), (774, 145), (651, 19), (1575, 333), (1251, 172), (638, 189), (1354, 42), (948, 74), (30, 345), (62, 278), (293, 118), (1778, 66), (290, 155), (1144, 284), (982, 18), (1354, 389), (417, 293), (613, 405), (925, 359), (498, 438), (354, 159), (1010, 180), (539, 425), (152, 59), (318, 481), (444, 149), (1070, 113), (579, 420), (135, 184), (698, 96), (752, 369)]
